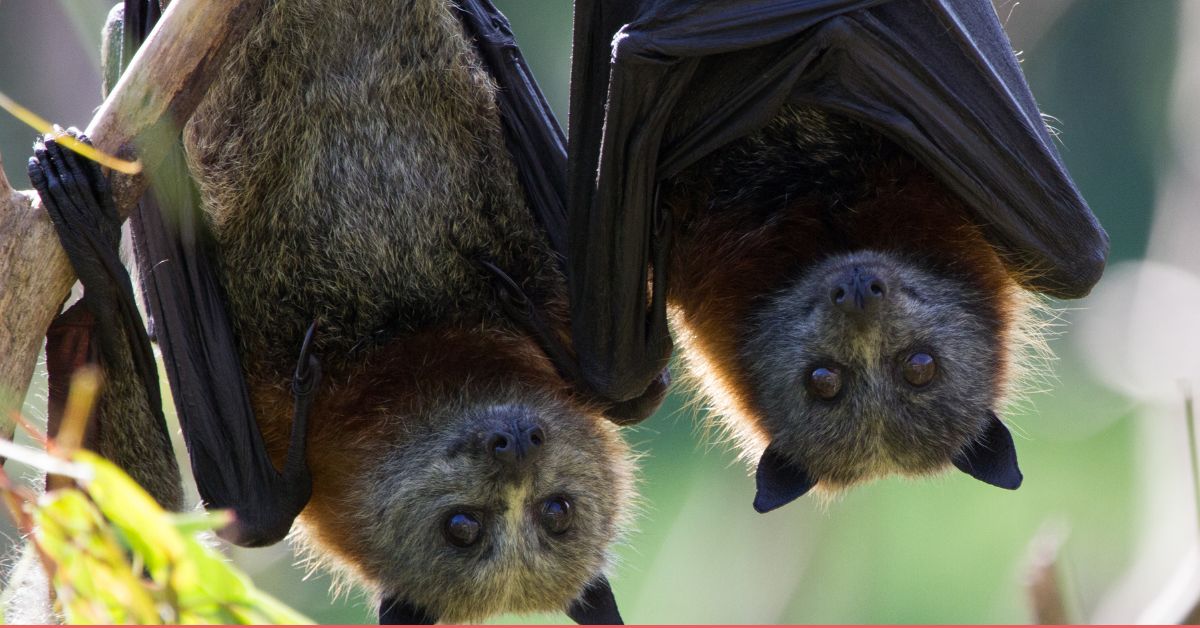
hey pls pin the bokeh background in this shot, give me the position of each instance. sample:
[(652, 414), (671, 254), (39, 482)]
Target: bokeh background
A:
[(1104, 449)]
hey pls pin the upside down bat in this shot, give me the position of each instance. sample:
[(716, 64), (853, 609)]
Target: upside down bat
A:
[(845, 205), (363, 317)]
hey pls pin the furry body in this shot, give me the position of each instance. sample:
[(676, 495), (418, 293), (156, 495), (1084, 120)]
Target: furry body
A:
[(777, 218), (351, 163)]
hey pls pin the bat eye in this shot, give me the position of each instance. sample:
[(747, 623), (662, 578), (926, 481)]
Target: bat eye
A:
[(462, 529), (825, 382), (556, 515), (919, 369)]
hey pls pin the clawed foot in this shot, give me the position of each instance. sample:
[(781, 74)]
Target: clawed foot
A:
[(76, 194)]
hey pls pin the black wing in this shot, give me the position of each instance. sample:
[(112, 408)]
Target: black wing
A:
[(228, 455), (658, 84), (531, 132), (536, 143), (104, 326)]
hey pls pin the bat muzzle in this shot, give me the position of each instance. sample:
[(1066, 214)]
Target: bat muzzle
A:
[(515, 447), (859, 292)]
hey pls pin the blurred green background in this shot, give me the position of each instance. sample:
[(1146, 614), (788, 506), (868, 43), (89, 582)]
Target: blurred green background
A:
[(943, 550)]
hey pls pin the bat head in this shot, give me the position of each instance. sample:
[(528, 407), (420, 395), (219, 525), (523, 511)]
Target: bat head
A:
[(869, 364), (850, 318), (483, 489)]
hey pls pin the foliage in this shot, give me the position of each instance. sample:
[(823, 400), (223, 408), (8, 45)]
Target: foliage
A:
[(115, 556)]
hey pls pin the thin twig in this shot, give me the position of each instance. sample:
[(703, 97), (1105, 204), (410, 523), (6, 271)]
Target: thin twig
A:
[(1043, 582), (1190, 417), (30, 429), (81, 400)]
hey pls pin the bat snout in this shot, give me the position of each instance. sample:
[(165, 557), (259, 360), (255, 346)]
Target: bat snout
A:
[(516, 446), (859, 292)]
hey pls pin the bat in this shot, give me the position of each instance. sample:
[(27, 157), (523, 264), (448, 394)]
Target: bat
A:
[(363, 317), (846, 205)]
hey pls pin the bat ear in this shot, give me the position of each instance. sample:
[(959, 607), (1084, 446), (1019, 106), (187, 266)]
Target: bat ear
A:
[(394, 611), (992, 458), (596, 606), (779, 481)]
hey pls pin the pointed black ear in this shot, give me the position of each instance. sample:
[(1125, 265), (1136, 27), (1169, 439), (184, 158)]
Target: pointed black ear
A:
[(396, 612), (596, 606), (992, 458), (779, 481)]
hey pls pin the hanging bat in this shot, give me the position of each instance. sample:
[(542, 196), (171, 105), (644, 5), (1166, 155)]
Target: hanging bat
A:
[(847, 206), (363, 317)]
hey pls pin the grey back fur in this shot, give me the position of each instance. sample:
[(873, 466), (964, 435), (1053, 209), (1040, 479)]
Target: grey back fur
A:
[(355, 135)]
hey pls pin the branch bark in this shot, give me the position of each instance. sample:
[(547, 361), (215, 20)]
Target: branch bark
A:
[(160, 90)]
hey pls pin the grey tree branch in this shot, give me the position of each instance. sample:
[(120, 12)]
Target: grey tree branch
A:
[(163, 85)]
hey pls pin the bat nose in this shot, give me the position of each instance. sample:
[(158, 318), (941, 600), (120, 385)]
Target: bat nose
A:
[(859, 292), (516, 446)]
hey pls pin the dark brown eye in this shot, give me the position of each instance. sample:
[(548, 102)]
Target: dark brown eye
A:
[(556, 515), (825, 382), (919, 369), (462, 529)]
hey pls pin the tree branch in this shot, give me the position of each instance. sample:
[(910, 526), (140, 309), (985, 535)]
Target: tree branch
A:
[(162, 87)]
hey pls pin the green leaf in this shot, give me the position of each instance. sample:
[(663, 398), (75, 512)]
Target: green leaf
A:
[(98, 542)]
